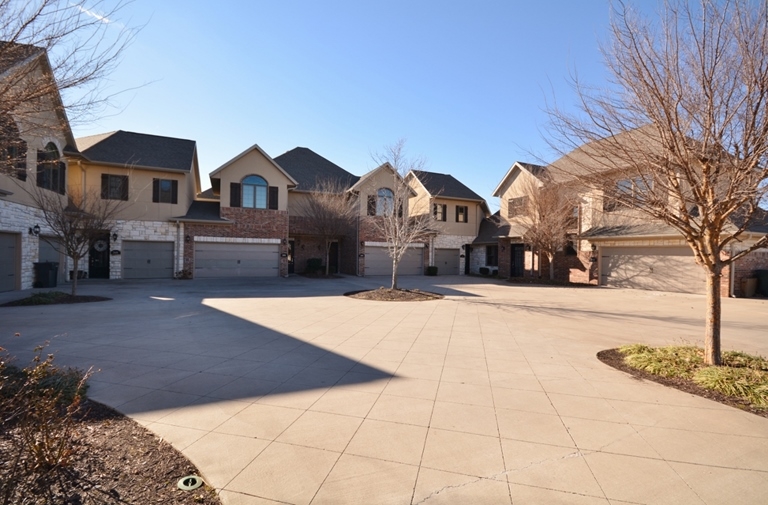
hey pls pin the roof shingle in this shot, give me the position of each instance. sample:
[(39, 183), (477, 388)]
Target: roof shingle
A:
[(445, 186), (309, 168), (139, 149)]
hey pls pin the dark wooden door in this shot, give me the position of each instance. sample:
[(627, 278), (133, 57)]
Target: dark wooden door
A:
[(517, 260), (333, 258), (98, 259)]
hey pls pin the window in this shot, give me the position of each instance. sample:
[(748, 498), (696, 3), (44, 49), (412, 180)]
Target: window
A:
[(516, 206), (254, 192), (462, 214), (570, 248), (382, 204), (13, 157), (627, 190), (51, 171), (114, 187), (165, 191), (573, 219), (439, 211), (491, 255)]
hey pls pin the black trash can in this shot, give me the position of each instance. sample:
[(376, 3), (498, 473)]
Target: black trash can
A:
[(762, 281), (46, 274)]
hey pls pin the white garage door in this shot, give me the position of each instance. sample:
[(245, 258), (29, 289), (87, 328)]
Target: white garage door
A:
[(147, 260), (447, 261), (656, 268), (378, 262), (236, 260), (8, 261)]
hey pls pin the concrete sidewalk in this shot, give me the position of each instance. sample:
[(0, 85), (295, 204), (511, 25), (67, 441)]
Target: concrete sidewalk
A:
[(283, 391)]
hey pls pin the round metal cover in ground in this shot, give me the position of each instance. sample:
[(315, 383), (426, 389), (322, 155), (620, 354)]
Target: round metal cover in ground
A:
[(190, 482)]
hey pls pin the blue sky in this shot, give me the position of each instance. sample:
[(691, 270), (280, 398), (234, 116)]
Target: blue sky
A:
[(464, 83)]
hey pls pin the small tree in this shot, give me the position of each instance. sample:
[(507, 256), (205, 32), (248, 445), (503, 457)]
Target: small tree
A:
[(77, 222), (329, 212), (394, 224), (547, 216), (681, 135)]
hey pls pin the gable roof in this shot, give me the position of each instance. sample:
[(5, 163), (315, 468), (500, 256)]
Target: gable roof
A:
[(207, 212), (13, 54), (138, 150), (308, 168), (362, 181), (254, 147), (537, 171), (445, 186)]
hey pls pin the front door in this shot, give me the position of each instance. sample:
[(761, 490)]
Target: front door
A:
[(291, 245), (517, 264), (98, 261), (333, 258)]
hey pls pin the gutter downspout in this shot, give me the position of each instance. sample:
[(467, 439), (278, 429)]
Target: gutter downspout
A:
[(732, 277), (357, 239)]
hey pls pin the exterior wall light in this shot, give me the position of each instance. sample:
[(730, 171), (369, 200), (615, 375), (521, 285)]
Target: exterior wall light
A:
[(35, 230)]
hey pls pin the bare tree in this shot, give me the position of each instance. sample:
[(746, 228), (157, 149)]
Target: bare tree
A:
[(329, 212), (393, 223), (76, 221), (546, 215), (53, 48), (680, 134)]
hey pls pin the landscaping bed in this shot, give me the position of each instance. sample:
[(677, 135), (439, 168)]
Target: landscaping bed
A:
[(741, 382), (54, 298), (395, 295)]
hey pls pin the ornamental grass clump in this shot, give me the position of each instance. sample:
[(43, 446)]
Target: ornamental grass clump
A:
[(741, 375)]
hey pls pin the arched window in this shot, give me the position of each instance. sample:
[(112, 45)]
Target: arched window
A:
[(254, 192), (385, 202), (13, 150), (51, 171)]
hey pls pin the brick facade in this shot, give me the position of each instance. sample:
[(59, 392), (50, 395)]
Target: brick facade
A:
[(307, 245), (745, 268), (246, 224)]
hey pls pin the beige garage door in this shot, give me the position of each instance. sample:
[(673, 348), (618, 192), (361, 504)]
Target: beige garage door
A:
[(236, 260), (378, 262), (147, 260), (447, 261), (655, 268), (8, 261)]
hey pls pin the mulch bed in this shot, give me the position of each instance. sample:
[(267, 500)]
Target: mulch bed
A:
[(395, 295), (541, 281), (614, 358), (117, 461), (64, 299)]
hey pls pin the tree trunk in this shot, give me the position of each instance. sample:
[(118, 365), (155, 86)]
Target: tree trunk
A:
[(712, 333), (551, 258), (75, 262), (394, 274)]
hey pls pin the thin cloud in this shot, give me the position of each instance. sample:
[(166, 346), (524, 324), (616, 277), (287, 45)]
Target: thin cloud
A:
[(92, 14)]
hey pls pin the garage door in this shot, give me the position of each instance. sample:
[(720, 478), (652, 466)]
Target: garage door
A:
[(49, 252), (378, 262), (8, 261), (147, 260), (656, 268), (447, 261), (236, 260)]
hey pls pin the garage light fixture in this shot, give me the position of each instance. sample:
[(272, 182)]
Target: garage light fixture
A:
[(35, 230), (187, 239), (114, 237)]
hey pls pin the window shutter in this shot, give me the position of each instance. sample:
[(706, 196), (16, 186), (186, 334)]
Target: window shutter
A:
[(457, 213), (234, 194), (371, 205), (41, 169), (104, 186), (273, 192), (434, 210), (62, 178), (124, 188), (155, 190), (400, 210), (174, 191), (445, 212)]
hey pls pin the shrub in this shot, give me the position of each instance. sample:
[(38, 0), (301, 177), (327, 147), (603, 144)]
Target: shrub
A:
[(484, 270), (38, 405), (314, 265), (431, 270)]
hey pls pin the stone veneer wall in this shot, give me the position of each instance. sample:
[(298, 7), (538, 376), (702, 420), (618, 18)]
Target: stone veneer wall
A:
[(151, 231), (18, 219), (247, 226)]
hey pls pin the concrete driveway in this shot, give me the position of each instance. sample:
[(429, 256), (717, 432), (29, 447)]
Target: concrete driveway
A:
[(284, 391)]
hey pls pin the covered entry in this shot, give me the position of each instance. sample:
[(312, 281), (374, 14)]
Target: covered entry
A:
[(147, 260), (654, 268), (447, 261), (378, 261), (217, 259), (8, 261)]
